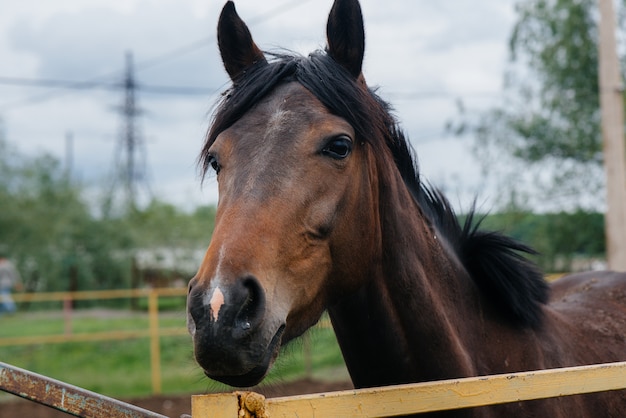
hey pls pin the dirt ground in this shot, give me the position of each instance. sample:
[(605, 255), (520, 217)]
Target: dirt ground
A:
[(170, 406)]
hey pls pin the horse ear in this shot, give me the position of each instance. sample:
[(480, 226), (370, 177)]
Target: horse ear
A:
[(346, 35), (237, 48)]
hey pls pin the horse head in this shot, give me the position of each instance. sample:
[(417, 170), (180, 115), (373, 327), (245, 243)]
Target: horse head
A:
[(296, 218)]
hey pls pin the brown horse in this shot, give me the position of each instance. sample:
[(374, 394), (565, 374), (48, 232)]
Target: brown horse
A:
[(321, 208)]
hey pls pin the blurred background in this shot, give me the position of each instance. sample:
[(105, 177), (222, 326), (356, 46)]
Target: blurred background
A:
[(104, 106)]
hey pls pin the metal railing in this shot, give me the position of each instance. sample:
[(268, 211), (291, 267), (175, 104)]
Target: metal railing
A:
[(65, 397)]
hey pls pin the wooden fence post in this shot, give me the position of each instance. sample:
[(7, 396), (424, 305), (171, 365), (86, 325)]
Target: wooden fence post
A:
[(155, 348)]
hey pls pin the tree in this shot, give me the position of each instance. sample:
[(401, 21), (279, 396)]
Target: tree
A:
[(162, 224), (48, 229), (549, 123), (560, 238)]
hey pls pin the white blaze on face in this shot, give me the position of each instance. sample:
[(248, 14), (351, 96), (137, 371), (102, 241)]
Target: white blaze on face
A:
[(216, 302), (276, 121), (214, 298)]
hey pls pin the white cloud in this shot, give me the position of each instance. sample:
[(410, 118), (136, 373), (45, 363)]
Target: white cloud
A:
[(451, 49)]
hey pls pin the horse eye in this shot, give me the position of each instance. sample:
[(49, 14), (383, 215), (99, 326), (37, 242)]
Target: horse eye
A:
[(212, 161), (338, 148)]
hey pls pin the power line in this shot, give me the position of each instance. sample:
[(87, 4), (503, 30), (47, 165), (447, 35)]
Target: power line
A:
[(103, 82), (208, 41), (58, 91), (91, 85), (160, 59), (130, 165), (177, 90), (192, 90), (65, 84), (427, 95)]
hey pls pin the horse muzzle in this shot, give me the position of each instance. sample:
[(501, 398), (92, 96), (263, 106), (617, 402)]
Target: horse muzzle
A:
[(235, 342)]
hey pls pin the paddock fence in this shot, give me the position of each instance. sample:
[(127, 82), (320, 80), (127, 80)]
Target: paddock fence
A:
[(154, 331), (418, 398), (376, 402)]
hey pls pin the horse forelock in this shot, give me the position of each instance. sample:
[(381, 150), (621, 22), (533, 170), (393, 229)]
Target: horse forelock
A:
[(333, 86)]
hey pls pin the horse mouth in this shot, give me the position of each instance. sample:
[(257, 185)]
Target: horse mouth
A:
[(257, 373)]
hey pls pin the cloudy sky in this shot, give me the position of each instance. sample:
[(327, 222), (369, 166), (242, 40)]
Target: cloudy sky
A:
[(423, 55)]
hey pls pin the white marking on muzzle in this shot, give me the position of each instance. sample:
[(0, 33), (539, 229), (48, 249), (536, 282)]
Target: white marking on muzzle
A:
[(216, 302)]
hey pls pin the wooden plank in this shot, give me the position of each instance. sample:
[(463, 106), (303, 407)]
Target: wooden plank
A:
[(444, 395), (65, 397), (97, 294), (91, 336), (220, 405)]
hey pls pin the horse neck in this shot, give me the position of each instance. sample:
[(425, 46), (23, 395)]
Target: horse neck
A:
[(403, 324)]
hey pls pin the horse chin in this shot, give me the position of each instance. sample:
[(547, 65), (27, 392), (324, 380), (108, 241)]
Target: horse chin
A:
[(255, 375), (252, 378)]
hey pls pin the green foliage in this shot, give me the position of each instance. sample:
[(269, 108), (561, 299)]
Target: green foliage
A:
[(549, 121), (558, 41), (49, 230), (163, 223), (46, 227), (558, 237)]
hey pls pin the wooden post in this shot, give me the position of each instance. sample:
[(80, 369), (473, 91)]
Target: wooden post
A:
[(612, 109), (307, 353), (155, 348), (67, 315)]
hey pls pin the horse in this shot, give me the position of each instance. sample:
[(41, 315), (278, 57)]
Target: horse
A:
[(322, 208)]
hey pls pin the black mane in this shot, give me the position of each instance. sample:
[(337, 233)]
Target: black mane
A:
[(494, 261)]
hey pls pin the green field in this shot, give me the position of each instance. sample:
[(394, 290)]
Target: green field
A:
[(121, 369)]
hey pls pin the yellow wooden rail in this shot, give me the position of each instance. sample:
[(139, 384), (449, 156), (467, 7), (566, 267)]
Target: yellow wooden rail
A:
[(91, 336), (97, 294), (154, 332), (416, 398), (70, 336)]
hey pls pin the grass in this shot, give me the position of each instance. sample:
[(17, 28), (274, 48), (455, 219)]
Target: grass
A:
[(121, 369)]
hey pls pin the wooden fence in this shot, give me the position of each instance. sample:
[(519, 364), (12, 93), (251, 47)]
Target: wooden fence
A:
[(417, 398), (376, 402), (154, 331)]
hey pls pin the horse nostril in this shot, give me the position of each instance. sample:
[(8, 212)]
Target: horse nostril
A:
[(195, 306), (191, 284), (251, 312), (239, 309)]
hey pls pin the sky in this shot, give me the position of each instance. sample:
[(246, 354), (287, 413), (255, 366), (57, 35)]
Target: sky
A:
[(424, 56)]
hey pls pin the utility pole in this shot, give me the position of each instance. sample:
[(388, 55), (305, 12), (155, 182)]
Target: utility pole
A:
[(130, 134), (130, 152), (69, 155), (612, 111)]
